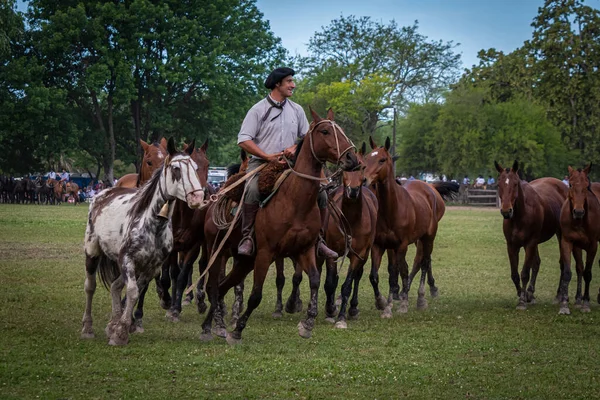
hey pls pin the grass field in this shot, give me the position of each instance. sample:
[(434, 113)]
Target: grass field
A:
[(469, 343)]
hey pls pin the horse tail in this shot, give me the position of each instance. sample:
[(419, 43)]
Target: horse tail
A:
[(108, 271), (448, 190)]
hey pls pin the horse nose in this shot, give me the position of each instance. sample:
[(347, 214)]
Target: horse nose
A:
[(195, 199), (578, 213), (507, 214)]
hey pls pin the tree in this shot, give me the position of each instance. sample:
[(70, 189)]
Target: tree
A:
[(147, 69), (404, 65)]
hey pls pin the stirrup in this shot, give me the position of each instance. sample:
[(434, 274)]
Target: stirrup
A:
[(252, 248)]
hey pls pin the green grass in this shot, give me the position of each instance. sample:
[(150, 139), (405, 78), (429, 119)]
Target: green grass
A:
[(470, 343)]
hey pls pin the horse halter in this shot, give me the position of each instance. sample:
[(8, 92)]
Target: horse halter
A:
[(337, 143), (187, 160)]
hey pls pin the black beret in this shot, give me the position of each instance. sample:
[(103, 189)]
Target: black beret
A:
[(277, 75)]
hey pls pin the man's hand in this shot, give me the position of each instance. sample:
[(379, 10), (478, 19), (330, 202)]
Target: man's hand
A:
[(276, 157), (290, 152)]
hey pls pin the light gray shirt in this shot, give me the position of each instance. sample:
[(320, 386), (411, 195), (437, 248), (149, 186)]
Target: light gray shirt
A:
[(274, 134)]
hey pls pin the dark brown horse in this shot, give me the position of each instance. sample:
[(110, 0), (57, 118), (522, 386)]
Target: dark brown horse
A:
[(152, 159), (580, 225), (286, 226), (407, 214), (358, 205), (531, 214)]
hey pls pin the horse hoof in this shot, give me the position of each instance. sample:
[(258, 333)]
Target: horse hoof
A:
[(585, 308), (564, 311), (232, 341), (186, 302), (87, 335), (387, 314), (422, 303), (521, 306), (206, 337), (403, 307), (303, 332), (434, 292), (220, 332), (172, 316), (330, 320), (338, 301), (531, 301), (116, 340), (341, 325), (277, 314)]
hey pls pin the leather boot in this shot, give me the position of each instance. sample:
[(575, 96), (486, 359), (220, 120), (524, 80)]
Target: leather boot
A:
[(322, 249), (246, 246)]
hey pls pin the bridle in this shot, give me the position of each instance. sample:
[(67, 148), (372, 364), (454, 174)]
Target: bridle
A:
[(337, 142), (186, 160)]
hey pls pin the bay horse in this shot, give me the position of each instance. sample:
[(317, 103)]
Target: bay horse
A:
[(284, 227), (580, 225), (129, 235), (58, 188), (407, 214), (359, 207), (531, 213), (152, 159), (72, 189)]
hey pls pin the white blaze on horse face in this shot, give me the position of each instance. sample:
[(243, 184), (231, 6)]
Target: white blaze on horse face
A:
[(161, 155), (507, 180), (189, 188), (373, 154)]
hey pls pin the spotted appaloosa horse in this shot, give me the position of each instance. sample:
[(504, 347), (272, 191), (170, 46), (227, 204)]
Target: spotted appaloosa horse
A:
[(152, 159), (531, 214), (286, 226), (407, 214), (129, 235), (580, 225)]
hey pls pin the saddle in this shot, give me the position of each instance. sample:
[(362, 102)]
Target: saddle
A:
[(267, 180)]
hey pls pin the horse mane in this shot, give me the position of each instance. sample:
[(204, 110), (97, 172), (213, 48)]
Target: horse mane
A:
[(299, 147), (143, 198), (233, 169)]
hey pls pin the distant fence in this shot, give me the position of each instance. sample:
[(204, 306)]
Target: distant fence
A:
[(487, 197)]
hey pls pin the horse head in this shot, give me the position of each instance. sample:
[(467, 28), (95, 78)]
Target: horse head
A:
[(153, 159), (508, 188), (181, 179), (353, 180), (328, 142), (379, 164), (579, 186)]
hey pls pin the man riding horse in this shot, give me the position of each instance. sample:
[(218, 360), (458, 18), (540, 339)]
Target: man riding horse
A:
[(269, 132)]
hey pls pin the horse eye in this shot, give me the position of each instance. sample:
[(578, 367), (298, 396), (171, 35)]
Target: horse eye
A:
[(149, 163), (381, 161), (325, 132)]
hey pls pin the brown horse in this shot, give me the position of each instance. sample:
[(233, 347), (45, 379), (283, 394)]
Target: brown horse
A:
[(580, 225), (152, 159), (407, 214), (285, 226), (72, 190), (531, 214), (58, 189), (359, 206)]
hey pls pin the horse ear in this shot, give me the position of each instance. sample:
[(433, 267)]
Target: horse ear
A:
[(395, 158), (515, 166), (387, 143), (243, 155), (144, 145), (372, 143), (330, 115), (498, 167), (315, 116), (588, 168), (363, 149), (163, 142), (171, 146), (190, 148), (570, 169), (204, 146)]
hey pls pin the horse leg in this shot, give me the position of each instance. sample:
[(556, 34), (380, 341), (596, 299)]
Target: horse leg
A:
[(535, 270), (426, 245), (280, 283), (577, 255), (164, 282), (238, 303), (587, 274), (331, 282), (402, 266), (190, 281), (261, 267), (566, 248), (513, 257), (380, 301), (530, 259), (187, 262), (200, 295), (307, 262), (91, 266), (357, 274), (138, 315), (120, 335), (393, 275), (294, 303)]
